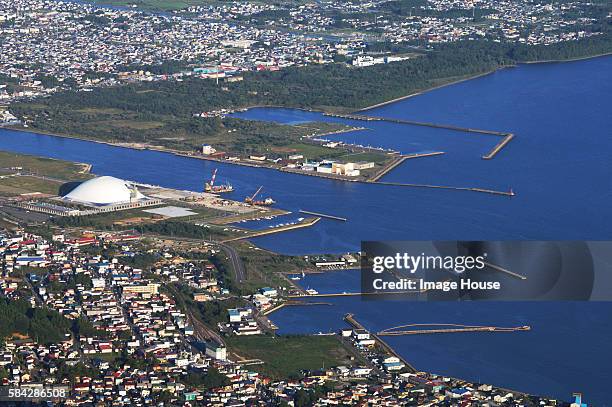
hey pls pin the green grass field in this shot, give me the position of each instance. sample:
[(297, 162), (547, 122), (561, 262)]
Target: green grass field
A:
[(58, 170), (379, 158), (23, 185), (314, 152), (64, 170), (285, 356)]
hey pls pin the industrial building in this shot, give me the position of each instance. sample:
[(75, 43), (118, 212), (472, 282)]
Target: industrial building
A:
[(348, 169)]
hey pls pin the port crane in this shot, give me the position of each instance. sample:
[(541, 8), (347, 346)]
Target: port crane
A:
[(251, 199), (211, 187)]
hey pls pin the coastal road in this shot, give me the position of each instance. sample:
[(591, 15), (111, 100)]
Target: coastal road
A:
[(235, 259)]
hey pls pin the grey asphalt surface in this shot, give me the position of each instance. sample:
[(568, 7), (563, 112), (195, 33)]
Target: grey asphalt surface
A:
[(236, 261)]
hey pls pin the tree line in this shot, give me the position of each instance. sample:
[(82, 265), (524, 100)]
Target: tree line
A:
[(41, 324), (319, 86)]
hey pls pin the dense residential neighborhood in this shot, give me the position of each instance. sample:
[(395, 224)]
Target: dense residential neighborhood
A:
[(49, 45), (117, 337)]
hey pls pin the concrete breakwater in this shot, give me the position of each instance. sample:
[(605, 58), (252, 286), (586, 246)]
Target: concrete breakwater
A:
[(472, 189), (350, 319), (421, 329), (416, 123), (396, 161), (507, 137), (298, 225), (323, 215)]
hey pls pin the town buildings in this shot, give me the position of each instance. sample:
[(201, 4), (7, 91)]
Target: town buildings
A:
[(52, 45), (132, 343)]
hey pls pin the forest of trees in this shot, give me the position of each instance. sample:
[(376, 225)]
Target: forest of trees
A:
[(206, 381), (309, 397), (175, 228), (82, 327), (41, 324), (313, 86)]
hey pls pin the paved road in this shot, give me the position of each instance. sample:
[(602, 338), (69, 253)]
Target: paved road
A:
[(37, 297), (236, 261)]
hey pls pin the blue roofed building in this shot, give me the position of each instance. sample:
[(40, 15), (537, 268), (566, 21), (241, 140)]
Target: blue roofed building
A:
[(578, 401)]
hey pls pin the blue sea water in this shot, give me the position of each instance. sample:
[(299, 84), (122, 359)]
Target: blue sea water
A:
[(558, 164), (566, 350)]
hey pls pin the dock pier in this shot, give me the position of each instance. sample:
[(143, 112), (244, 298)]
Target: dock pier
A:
[(303, 224), (507, 137), (329, 295), (417, 329), (322, 215), (350, 319), (504, 270), (396, 161)]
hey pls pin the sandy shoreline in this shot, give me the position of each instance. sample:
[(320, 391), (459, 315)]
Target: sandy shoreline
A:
[(398, 99), (560, 61)]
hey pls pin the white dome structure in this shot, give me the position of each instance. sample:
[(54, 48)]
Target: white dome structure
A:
[(104, 191)]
